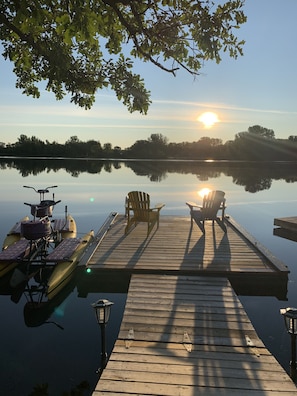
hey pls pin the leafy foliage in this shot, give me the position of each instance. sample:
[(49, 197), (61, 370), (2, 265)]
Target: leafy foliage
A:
[(78, 46)]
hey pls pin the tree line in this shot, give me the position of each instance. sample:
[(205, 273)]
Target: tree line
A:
[(256, 144)]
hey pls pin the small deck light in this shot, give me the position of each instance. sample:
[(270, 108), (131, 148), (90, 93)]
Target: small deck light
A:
[(290, 318), (102, 309)]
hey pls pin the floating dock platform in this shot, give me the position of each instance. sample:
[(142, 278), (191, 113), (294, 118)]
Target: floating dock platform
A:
[(288, 223), (286, 228), (177, 248)]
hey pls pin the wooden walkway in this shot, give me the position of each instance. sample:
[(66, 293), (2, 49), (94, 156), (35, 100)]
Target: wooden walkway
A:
[(188, 335)]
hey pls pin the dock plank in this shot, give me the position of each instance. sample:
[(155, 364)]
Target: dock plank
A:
[(178, 247), (200, 342)]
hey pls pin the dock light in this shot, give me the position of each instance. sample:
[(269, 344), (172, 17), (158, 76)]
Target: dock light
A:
[(102, 312), (290, 317)]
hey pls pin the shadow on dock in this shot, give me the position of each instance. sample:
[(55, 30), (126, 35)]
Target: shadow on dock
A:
[(177, 248)]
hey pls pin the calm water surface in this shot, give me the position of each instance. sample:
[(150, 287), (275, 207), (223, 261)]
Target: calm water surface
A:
[(61, 347)]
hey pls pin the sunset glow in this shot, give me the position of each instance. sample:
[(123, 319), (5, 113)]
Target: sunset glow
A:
[(208, 119), (203, 192)]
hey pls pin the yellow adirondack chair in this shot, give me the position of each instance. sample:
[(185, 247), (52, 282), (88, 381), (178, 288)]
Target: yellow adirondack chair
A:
[(212, 203), (137, 210)]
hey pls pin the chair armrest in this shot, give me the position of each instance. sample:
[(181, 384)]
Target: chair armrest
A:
[(193, 205), (158, 206)]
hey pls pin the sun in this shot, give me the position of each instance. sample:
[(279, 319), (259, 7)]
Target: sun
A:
[(204, 191), (208, 119)]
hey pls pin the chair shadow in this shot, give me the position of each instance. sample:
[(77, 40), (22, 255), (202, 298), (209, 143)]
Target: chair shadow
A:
[(137, 253), (207, 358), (210, 251)]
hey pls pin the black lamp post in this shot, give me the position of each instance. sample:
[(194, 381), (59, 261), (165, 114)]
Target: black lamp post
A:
[(290, 317), (102, 311)]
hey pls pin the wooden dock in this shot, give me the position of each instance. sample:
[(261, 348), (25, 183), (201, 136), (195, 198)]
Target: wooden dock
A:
[(287, 223), (187, 335), (286, 227), (178, 248), (184, 330)]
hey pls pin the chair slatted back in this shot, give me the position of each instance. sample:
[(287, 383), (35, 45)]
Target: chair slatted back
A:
[(139, 202), (212, 203)]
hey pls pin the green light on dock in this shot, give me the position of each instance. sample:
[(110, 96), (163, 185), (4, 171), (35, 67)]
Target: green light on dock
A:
[(88, 270)]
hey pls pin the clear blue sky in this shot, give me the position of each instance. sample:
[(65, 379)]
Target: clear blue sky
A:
[(258, 88)]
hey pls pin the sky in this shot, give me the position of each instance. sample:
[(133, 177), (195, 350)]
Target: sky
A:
[(259, 88)]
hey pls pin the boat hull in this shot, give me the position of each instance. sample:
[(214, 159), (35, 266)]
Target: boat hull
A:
[(65, 227), (6, 267), (14, 235), (62, 270)]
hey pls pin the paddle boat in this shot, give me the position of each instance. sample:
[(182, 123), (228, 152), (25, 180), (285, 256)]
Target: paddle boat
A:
[(43, 242)]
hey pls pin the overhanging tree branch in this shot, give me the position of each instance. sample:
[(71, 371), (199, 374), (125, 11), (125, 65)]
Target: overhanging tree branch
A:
[(56, 41)]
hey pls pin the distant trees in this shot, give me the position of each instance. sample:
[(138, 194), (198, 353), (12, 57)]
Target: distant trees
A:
[(255, 144), (28, 146), (156, 146), (260, 131), (259, 144), (140, 149), (205, 148), (76, 148)]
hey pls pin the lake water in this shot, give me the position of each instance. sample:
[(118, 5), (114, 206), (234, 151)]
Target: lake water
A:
[(61, 348)]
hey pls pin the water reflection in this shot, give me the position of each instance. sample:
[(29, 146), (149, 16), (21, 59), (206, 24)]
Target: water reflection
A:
[(38, 308), (71, 355), (252, 175), (64, 354), (286, 234)]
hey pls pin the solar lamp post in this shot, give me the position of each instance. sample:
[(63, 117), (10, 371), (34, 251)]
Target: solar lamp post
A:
[(102, 309), (290, 318)]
